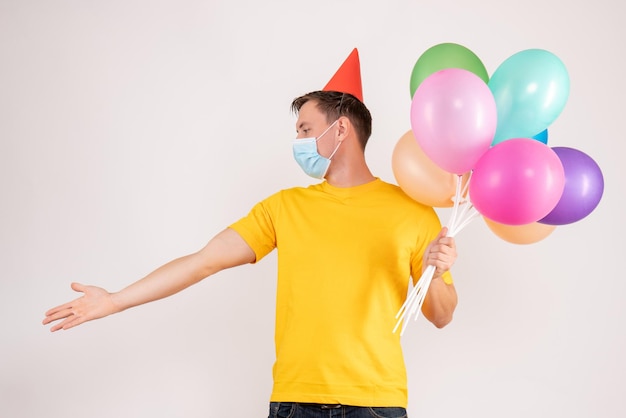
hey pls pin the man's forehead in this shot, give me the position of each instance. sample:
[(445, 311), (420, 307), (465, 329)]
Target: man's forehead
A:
[(310, 107), (309, 113)]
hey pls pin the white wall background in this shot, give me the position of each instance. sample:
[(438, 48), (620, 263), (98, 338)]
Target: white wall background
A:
[(133, 131)]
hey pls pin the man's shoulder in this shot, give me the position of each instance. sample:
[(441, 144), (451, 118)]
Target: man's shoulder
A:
[(292, 192), (396, 196)]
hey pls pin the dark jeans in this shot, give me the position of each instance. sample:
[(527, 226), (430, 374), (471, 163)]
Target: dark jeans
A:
[(304, 410)]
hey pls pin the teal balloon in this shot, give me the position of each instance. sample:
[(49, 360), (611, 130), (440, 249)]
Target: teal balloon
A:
[(531, 89), (542, 136)]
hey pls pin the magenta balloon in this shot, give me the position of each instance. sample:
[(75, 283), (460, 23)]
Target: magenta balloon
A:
[(584, 185), (454, 118), (517, 182)]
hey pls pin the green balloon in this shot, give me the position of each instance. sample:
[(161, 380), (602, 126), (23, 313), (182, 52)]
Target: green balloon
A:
[(446, 55)]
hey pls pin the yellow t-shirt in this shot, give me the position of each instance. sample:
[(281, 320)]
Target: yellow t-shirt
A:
[(345, 256)]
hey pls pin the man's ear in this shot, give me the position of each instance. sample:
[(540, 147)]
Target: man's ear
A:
[(344, 128)]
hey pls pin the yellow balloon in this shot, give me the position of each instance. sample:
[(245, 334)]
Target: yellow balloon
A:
[(520, 234), (419, 177)]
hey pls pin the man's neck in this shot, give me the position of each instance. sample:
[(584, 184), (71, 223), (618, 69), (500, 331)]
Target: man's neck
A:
[(350, 177)]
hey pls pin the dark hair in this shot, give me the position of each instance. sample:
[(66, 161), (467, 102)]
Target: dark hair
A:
[(335, 104)]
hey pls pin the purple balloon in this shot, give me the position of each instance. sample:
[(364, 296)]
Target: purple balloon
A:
[(584, 185)]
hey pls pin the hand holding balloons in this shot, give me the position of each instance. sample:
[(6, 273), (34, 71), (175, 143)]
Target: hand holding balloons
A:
[(494, 131)]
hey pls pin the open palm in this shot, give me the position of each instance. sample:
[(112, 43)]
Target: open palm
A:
[(95, 303)]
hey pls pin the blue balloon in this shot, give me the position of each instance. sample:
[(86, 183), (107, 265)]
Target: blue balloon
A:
[(530, 88), (542, 136)]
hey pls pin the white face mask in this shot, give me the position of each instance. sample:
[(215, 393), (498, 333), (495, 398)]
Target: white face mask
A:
[(306, 155)]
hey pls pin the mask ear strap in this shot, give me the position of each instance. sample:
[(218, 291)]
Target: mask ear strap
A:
[(339, 110), (326, 130), (336, 148)]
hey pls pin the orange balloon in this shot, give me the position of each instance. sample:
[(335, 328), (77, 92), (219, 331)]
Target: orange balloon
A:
[(520, 234), (419, 177)]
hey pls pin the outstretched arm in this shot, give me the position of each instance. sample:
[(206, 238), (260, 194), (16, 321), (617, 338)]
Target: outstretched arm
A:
[(441, 298), (227, 249)]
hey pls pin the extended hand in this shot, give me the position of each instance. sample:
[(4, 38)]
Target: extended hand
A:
[(95, 303)]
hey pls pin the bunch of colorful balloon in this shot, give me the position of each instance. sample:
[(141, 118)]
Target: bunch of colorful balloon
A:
[(480, 145)]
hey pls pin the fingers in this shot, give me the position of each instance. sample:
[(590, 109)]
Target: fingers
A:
[(66, 311), (58, 313), (78, 287), (71, 317), (69, 322), (57, 309), (441, 260), (65, 306), (441, 253), (446, 245)]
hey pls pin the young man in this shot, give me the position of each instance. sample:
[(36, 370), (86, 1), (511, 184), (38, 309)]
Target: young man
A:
[(346, 249)]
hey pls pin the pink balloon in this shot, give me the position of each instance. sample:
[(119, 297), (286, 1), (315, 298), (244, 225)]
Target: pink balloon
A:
[(517, 182), (454, 118)]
